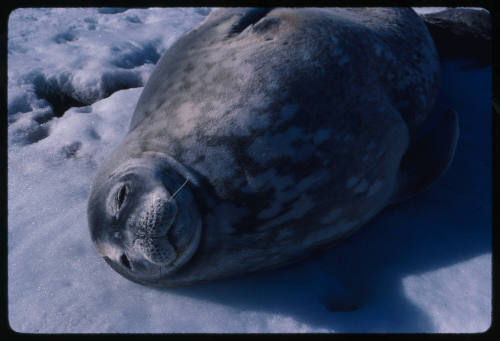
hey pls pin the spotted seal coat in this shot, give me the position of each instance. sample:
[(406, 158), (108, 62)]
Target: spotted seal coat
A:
[(263, 134)]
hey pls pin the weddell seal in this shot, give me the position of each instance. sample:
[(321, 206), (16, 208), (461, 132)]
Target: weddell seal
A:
[(263, 134)]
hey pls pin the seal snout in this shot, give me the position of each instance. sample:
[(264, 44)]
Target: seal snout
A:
[(156, 220), (151, 229)]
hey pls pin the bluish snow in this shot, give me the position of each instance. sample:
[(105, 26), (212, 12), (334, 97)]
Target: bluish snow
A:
[(422, 266)]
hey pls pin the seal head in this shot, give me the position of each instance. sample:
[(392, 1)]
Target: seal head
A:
[(143, 219)]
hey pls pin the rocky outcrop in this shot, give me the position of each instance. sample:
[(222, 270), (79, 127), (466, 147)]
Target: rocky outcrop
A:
[(461, 33)]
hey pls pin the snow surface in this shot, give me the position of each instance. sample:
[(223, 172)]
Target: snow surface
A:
[(421, 266), (427, 10)]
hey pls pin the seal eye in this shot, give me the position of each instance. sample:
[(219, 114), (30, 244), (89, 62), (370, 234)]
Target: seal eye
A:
[(122, 195), (117, 199)]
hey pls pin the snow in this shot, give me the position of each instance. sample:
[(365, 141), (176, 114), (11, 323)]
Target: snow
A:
[(421, 266), (428, 293), (85, 55), (428, 10)]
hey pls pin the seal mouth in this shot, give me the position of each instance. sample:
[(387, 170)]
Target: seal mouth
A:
[(166, 233), (152, 229)]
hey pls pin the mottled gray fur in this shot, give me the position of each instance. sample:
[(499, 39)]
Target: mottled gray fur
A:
[(290, 125)]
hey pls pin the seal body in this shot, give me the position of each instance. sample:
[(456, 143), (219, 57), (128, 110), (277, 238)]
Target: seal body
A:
[(267, 133)]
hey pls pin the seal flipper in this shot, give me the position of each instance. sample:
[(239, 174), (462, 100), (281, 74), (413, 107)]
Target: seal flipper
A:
[(428, 158)]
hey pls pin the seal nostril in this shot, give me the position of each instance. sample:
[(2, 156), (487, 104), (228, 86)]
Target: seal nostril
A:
[(124, 260)]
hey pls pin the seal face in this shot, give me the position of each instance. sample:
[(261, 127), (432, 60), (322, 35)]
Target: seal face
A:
[(263, 134), (142, 222)]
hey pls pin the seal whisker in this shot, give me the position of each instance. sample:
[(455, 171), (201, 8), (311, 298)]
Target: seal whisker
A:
[(182, 186)]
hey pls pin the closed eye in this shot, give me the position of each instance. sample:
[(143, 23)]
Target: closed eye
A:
[(122, 195)]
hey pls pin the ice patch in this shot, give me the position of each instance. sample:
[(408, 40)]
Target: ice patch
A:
[(472, 295), (64, 37), (129, 55), (427, 10), (77, 56), (26, 130)]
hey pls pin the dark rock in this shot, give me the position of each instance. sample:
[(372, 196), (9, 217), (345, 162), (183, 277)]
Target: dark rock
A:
[(111, 10), (461, 33)]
